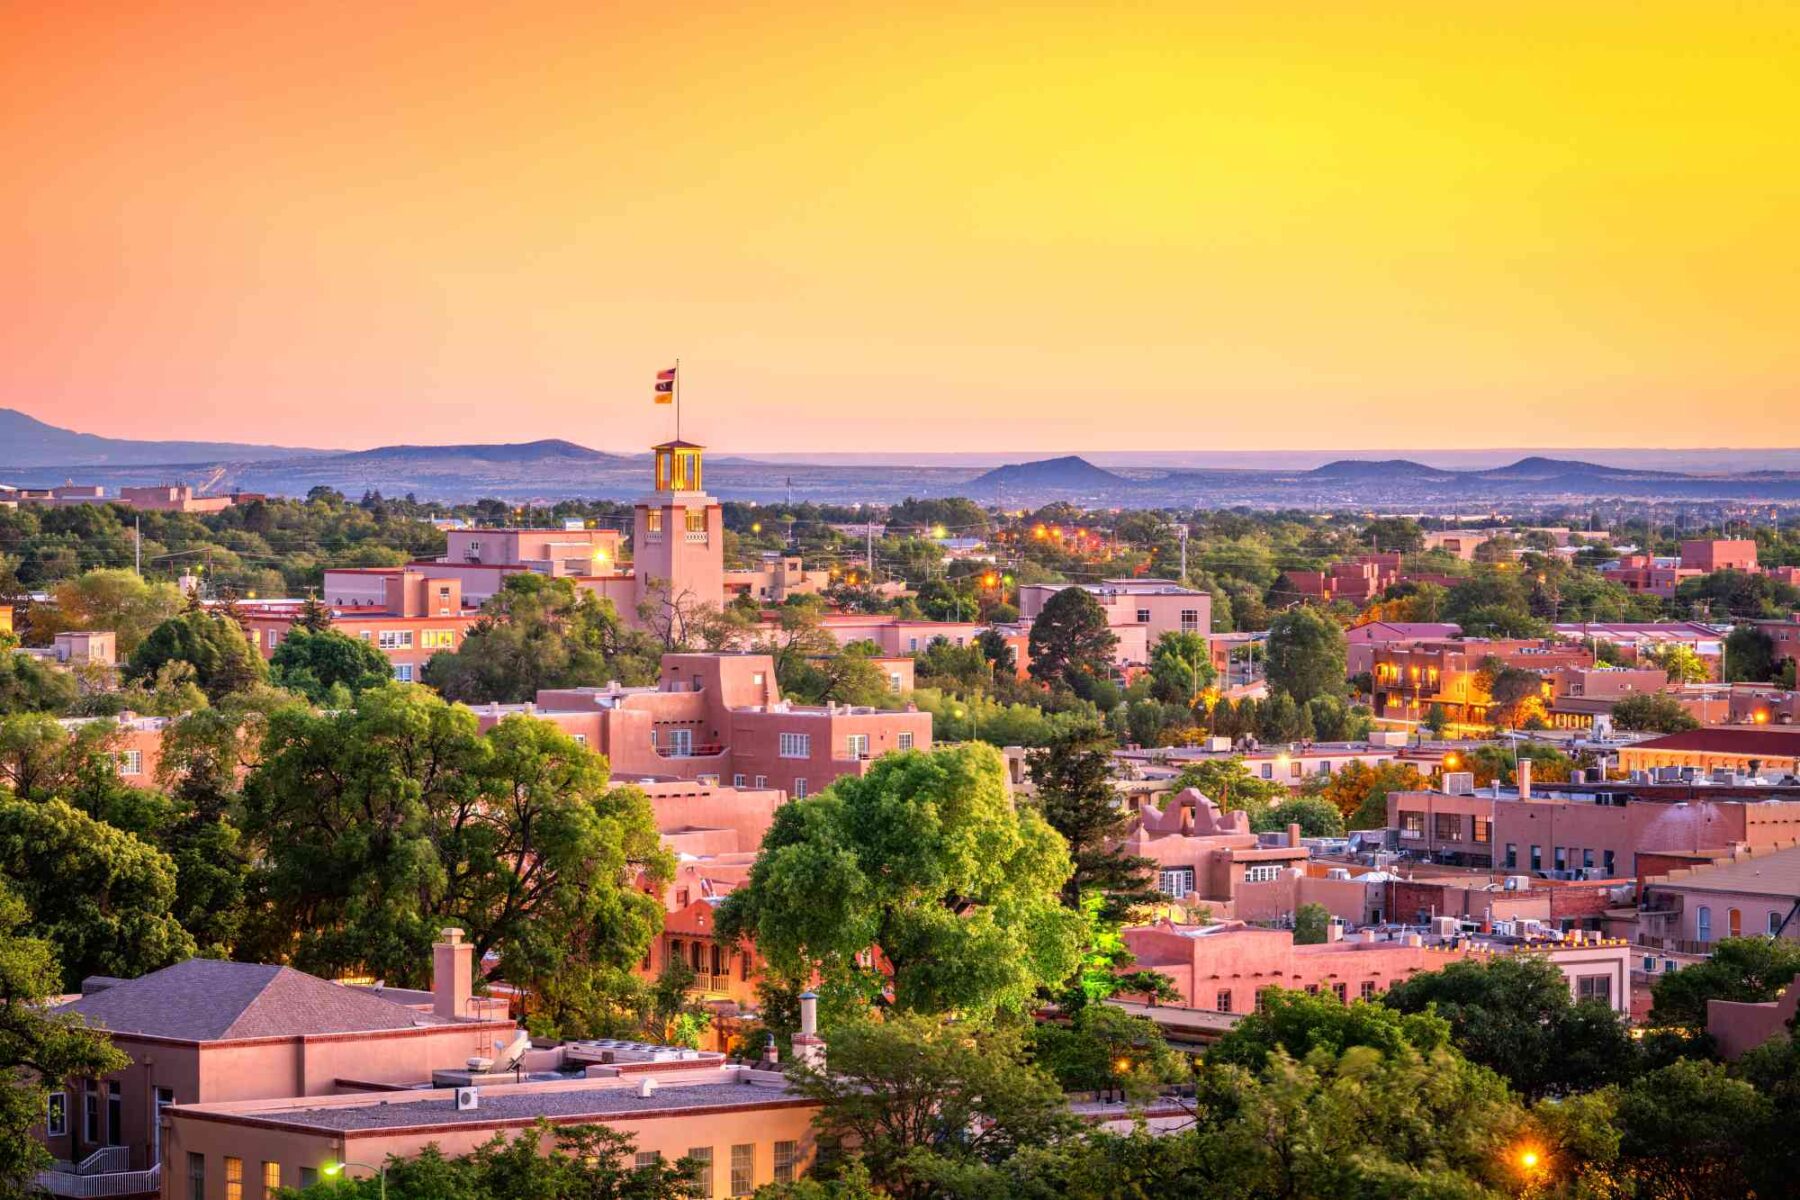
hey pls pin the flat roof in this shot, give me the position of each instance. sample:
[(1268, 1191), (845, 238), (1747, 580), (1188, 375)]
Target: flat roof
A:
[(518, 1104)]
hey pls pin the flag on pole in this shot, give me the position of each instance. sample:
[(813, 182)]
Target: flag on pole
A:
[(665, 386)]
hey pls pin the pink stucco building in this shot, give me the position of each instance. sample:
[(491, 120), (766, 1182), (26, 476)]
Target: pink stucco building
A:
[(1203, 855), (1749, 892), (720, 717), (1137, 610)]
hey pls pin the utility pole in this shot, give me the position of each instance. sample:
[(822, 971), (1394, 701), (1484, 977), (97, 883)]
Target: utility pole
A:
[(1181, 532), (869, 553), (137, 538)]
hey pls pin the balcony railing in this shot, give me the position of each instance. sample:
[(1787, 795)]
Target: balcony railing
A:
[(102, 1183)]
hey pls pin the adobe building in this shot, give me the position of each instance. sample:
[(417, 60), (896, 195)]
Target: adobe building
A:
[(1749, 892), (1138, 611), (206, 1031), (1758, 751), (1738, 1027), (1204, 856), (1362, 641), (404, 613), (1225, 967), (1719, 554), (721, 718), (1410, 679)]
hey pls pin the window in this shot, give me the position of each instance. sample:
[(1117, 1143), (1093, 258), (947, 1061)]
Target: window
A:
[(1412, 824), (196, 1176), (1222, 1002), (785, 1155), (681, 743), (1325, 766), (1342, 992), (234, 1178), (90, 1112), (1512, 855), (271, 1180), (912, 644), (646, 1158), (1537, 858), (737, 780), (857, 745), (1190, 620), (403, 672), (1649, 964), (309, 1177), (1367, 990), (1447, 827), (395, 639), (696, 520), (1606, 862), (1262, 873), (756, 680), (799, 789), (1734, 921), (1484, 831), (1703, 924), (653, 521), (437, 639), (115, 1112), (580, 739), (762, 781), (702, 1160), (1268, 770), (1594, 987), (1294, 769), (895, 682), (56, 1116), (1176, 882), (1143, 615), (131, 762), (904, 740), (743, 1170), (443, 597), (1562, 859), (164, 1098), (796, 745), (1774, 924)]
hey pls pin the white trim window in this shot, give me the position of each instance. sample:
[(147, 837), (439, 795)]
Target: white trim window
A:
[(856, 745), (904, 739), (681, 743), (403, 672), (737, 780), (762, 781), (1176, 882), (131, 762), (799, 789), (395, 639), (796, 745), (1262, 873), (56, 1115)]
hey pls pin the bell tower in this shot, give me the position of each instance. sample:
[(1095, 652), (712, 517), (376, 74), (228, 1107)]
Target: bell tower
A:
[(678, 533)]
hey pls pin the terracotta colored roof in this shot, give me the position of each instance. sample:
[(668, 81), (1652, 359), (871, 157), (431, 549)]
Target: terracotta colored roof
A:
[(1777, 743), (206, 1000)]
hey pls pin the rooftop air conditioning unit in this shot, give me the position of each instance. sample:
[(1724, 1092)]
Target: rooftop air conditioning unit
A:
[(468, 1099), (1459, 783)]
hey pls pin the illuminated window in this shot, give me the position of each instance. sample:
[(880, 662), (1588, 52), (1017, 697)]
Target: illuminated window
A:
[(437, 639), (696, 520), (234, 1178), (271, 1180), (653, 520)]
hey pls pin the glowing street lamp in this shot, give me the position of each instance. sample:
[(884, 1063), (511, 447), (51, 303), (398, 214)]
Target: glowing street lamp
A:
[(337, 1168)]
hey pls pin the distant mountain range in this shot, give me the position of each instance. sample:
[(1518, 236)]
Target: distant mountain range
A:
[(33, 453), (28, 442)]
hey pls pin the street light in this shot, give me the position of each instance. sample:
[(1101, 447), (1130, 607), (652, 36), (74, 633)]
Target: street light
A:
[(338, 1168)]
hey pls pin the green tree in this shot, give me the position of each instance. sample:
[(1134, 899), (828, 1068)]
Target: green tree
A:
[(1514, 1015), (1103, 1047), (1297, 1023), (1652, 712), (28, 684), (1316, 816), (537, 632), (110, 599), (926, 860), (99, 895), (380, 824), (1744, 969), (1306, 654), (1072, 776), (1686, 1131), (1071, 644), (223, 659), (1312, 923), (913, 1088), (38, 1045), (1749, 656), (1181, 668), (1228, 783), (312, 664), (1681, 663), (1359, 791)]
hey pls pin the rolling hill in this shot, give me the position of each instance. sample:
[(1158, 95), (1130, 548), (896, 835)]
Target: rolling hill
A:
[(26, 441)]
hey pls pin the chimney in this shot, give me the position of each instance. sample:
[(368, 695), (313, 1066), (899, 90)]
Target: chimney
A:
[(809, 1047), (1293, 833), (1524, 773), (452, 974)]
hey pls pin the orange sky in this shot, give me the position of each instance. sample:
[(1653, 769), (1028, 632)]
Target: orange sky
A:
[(935, 226)]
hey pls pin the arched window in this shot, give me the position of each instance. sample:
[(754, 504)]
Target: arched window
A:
[(1703, 924)]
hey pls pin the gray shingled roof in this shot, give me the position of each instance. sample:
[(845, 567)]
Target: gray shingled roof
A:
[(530, 1104), (206, 1000)]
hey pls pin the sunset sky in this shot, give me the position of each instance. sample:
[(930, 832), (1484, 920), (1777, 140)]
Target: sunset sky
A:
[(1195, 225)]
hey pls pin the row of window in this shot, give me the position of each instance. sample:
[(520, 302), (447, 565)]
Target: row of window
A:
[(1565, 858), (856, 745), (1297, 768), (1734, 923), (56, 1115), (234, 1178), (1190, 619)]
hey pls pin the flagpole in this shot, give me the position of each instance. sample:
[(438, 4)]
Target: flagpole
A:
[(678, 399)]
